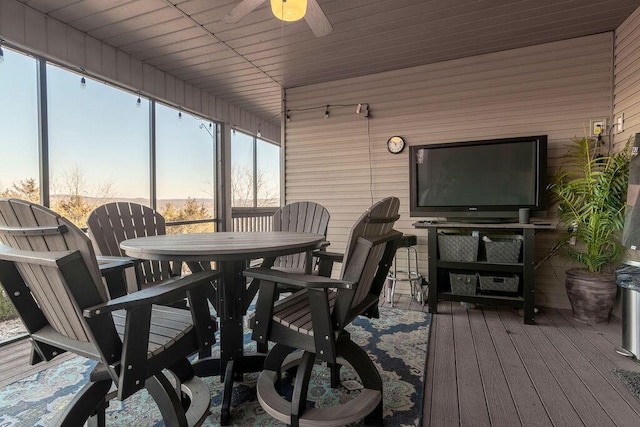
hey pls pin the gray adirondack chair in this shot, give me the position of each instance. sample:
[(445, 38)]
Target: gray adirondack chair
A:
[(49, 270), (307, 217), (313, 320), (110, 224)]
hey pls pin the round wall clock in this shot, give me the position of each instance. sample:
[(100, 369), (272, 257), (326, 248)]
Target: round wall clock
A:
[(395, 144)]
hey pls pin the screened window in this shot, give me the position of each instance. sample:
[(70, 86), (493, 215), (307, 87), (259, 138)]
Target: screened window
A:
[(255, 172), (185, 167), (242, 172), (98, 145), (19, 140), (267, 174)]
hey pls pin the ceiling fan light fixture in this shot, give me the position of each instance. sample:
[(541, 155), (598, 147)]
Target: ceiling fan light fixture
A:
[(289, 10)]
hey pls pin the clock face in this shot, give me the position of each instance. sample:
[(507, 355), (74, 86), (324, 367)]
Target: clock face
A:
[(395, 144)]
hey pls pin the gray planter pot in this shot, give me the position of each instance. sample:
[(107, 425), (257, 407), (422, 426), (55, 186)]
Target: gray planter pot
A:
[(591, 295)]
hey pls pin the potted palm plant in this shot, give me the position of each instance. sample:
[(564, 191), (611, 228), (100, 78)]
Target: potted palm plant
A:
[(590, 189)]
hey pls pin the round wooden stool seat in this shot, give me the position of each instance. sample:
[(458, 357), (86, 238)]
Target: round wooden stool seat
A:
[(367, 402)]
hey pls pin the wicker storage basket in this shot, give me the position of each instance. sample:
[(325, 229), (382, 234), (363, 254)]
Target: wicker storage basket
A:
[(503, 250), (458, 248), (463, 283), (505, 283)]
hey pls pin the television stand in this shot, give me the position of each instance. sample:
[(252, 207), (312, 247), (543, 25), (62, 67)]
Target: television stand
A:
[(440, 288), (475, 220)]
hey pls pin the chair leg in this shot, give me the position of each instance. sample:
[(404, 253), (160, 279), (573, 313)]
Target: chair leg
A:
[(334, 368), (192, 391), (369, 375), (90, 401), (168, 401), (362, 364), (262, 348), (375, 417), (301, 387)]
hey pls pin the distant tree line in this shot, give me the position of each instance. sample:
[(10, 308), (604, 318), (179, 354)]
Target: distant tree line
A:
[(76, 207)]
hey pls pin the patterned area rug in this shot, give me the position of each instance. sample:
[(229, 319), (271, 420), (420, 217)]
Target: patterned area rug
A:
[(397, 343), (630, 379)]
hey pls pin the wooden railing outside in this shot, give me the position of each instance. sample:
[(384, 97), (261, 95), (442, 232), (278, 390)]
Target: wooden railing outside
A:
[(252, 219)]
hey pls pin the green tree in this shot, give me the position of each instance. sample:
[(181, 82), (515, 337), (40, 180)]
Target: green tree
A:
[(26, 189), (191, 210)]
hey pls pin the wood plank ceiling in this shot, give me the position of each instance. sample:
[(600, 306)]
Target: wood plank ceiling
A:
[(248, 63)]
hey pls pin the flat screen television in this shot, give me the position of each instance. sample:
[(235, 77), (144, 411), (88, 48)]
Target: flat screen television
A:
[(479, 180)]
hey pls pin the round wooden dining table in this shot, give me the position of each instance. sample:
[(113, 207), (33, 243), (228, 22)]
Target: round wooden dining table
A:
[(232, 251)]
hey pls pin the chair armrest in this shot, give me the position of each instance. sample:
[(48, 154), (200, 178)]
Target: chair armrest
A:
[(167, 291), (108, 264), (330, 256), (296, 279)]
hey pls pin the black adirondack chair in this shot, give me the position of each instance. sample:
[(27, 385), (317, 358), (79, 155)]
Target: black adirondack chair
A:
[(49, 270), (313, 320)]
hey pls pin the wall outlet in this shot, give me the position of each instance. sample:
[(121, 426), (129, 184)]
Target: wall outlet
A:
[(598, 127), (620, 123)]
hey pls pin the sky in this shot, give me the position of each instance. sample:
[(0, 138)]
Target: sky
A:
[(99, 132)]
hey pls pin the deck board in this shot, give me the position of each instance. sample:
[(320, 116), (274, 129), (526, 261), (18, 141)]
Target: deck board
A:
[(558, 372), (600, 387), (444, 404), (528, 404), (566, 399), (474, 409), (502, 408)]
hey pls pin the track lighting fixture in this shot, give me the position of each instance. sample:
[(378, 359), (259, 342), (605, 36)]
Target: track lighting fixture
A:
[(83, 82), (1, 54), (139, 102), (326, 113), (179, 115), (358, 107)]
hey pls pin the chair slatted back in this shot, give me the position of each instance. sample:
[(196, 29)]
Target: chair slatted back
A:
[(375, 222), (29, 227), (113, 223), (307, 217)]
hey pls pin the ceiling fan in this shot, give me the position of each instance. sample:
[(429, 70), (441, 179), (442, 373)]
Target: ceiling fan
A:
[(286, 10)]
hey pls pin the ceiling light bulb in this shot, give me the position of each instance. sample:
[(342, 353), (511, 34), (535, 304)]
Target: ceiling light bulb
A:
[(83, 82), (289, 10)]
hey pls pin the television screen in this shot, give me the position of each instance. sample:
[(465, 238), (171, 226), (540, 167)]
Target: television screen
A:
[(478, 179)]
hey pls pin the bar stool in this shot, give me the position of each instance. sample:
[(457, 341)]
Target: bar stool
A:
[(411, 274)]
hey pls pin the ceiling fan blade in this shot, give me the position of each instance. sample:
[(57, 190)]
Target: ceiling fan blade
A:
[(240, 11), (316, 19)]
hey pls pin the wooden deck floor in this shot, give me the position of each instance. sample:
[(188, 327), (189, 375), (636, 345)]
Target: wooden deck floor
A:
[(486, 368)]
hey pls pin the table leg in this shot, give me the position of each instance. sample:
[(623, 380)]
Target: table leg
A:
[(233, 363), (226, 394)]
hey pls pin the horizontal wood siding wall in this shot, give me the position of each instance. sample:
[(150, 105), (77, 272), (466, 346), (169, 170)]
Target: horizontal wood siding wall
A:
[(627, 84), (342, 161), (29, 29)]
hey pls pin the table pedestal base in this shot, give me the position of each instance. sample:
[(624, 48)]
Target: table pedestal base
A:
[(210, 367)]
